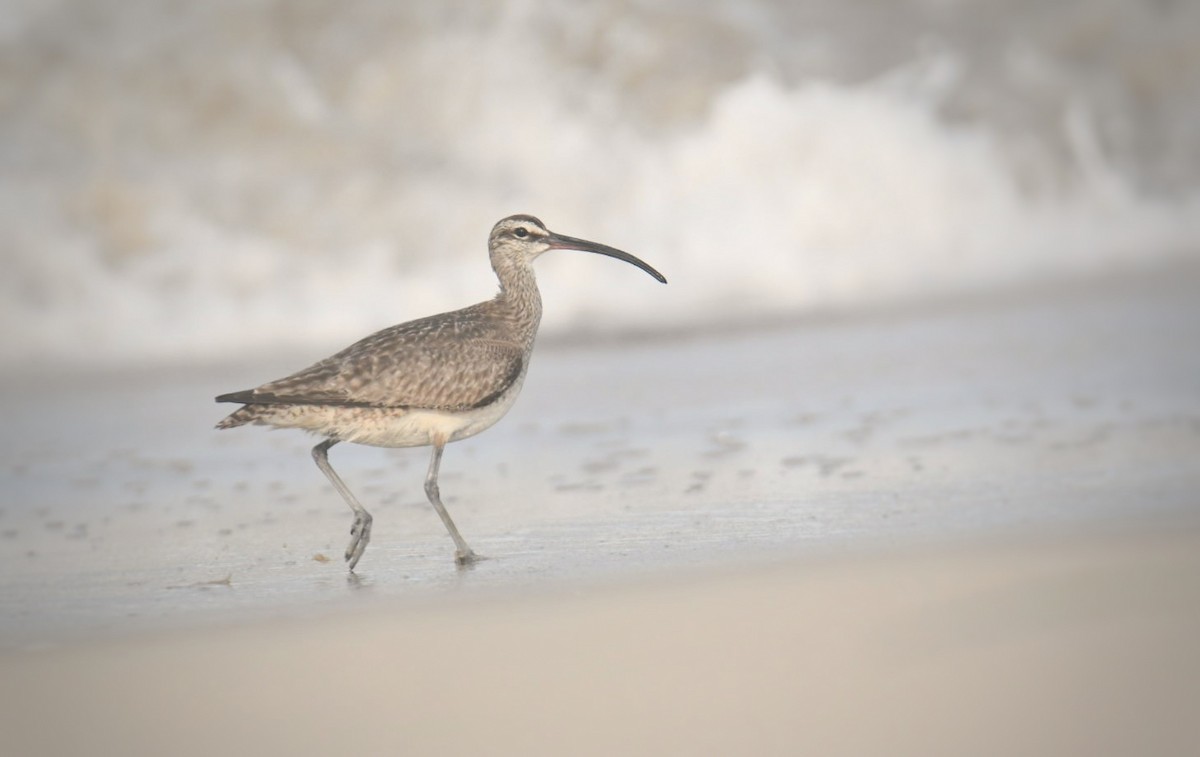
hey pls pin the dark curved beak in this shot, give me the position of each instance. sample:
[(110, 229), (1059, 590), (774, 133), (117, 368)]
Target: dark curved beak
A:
[(563, 242)]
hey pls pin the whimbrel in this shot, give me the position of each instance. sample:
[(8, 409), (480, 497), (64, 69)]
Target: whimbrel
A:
[(429, 382)]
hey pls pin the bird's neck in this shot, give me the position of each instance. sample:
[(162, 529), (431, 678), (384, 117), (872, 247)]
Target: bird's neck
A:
[(519, 294)]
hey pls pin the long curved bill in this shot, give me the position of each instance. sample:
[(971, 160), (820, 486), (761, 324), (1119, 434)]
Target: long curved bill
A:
[(563, 242)]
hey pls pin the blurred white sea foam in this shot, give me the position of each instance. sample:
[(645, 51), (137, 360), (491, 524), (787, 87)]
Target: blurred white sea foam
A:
[(190, 181)]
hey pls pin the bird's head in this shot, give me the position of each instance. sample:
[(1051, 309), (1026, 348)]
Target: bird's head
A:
[(518, 240)]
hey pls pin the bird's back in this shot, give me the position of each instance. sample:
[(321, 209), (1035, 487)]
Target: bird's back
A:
[(452, 362)]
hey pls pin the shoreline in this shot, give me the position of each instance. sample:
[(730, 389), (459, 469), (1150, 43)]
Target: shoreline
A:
[(1033, 414)]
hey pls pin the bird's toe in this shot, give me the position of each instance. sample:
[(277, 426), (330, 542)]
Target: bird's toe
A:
[(360, 536), (463, 558)]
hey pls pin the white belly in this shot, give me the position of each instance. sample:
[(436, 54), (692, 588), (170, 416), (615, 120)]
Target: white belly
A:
[(417, 428), (387, 427)]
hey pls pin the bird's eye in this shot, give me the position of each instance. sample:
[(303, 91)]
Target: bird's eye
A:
[(521, 232)]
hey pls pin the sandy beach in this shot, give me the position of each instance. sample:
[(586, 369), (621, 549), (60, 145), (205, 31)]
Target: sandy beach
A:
[(964, 528), (1080, 645)]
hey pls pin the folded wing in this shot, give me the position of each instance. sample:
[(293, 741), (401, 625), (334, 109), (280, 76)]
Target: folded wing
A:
[(433, 363)]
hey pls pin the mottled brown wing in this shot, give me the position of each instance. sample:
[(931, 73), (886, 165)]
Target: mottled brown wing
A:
[(433, 363)]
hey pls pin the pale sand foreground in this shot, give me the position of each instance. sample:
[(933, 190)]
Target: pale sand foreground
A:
[(1056, 646)]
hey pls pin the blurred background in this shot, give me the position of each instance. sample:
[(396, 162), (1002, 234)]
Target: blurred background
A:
[(189, 181)]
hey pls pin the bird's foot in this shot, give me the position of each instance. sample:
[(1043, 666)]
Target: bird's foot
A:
[(360, 535), (465, 557)]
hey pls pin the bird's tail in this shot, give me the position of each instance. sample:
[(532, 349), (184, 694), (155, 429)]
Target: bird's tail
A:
[(241, 417)]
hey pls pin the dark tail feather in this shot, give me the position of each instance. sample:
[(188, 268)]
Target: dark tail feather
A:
[(246, 396)]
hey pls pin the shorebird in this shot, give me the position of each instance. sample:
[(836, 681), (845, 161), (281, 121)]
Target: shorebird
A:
[(431, 381)]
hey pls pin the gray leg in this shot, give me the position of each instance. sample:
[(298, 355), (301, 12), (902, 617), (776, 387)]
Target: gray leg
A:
[(463, 555), (360, 532)]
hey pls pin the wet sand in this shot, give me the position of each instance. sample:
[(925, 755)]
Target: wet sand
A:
[(971, 527)]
